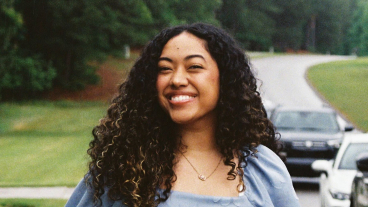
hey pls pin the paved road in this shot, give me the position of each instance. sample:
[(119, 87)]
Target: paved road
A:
[(308, 194), (283, 78), (284, 83)]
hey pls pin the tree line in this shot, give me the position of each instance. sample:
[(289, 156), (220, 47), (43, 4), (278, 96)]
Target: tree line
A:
[(47, 43)]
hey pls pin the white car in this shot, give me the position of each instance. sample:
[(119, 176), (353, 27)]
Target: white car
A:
[(337, 175), (269, 106)]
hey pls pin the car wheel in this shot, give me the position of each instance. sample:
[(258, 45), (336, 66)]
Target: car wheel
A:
[(351, 200)]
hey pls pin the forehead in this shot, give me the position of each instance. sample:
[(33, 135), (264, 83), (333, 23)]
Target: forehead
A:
[(185, 43)]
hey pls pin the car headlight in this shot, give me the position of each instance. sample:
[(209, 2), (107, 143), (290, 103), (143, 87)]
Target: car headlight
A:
[(335, 143), (339, 195)]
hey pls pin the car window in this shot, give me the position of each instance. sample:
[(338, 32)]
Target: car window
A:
[(352, 151), (306, 121)]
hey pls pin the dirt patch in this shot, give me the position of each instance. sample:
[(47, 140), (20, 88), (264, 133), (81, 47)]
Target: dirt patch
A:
[(110, 78)]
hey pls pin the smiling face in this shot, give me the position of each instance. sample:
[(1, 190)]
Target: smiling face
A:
[(188, 81)]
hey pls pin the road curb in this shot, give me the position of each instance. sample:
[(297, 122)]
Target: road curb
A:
[(37, 192)]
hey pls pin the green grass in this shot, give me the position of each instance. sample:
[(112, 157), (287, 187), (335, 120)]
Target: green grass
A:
[(344, 84), (32, 203), (45, 143)]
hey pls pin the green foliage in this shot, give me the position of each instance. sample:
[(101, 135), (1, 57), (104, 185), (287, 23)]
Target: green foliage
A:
[(11, 23), (58, 39), (332, 21), (167, 13), (359, 30), (20, 75), (24, 76), (70, 34), (191, 11), (290, 24), (315, 25), (249, 22)]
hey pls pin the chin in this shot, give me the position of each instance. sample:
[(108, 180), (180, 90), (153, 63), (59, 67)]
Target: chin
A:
[(181, 121)]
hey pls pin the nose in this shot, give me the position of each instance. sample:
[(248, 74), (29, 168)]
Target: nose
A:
[(179, 78)]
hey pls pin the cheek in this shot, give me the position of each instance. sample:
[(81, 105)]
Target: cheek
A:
[(160, 86), (215, 76), (212, 87), (216, 84), (215, 79)]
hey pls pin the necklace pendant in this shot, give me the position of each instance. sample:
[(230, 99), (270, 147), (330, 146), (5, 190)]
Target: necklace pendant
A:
[(202, 177)]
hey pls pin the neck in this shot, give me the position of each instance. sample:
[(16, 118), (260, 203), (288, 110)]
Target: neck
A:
[(199, 137)]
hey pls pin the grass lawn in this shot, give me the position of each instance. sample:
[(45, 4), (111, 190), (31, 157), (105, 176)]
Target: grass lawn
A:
[(32, 203), (344, 84), (45, 143)]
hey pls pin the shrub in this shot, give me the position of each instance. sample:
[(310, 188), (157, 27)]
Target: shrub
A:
[(24, 77)]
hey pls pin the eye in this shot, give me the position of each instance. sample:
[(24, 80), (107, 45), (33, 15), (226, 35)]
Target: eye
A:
[(196, 67), (164, 69)]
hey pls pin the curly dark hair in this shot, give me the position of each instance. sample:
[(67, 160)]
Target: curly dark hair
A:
[(133, 149)]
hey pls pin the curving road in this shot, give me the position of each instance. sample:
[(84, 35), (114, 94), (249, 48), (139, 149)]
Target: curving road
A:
[(282, 82), (283, 78)]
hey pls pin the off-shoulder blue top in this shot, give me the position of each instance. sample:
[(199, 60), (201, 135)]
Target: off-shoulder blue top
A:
[(268, 184)]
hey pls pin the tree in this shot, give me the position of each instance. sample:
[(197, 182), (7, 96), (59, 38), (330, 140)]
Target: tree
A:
[(11, 23), (249, 21), (290, 24), (332, 20), (191, 11), (60, 38), (21, 75), (358, 33), (167, 13), (70, 34)]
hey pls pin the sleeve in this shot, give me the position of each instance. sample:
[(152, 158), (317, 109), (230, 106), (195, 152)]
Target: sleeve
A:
[(267, 181), (82, 196)]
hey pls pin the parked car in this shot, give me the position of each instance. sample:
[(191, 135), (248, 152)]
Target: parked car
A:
[(269, 106), (337, 175), (359, 187), (307, 134)]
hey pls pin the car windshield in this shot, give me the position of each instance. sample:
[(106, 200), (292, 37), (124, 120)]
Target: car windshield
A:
[(352, 151), (306, 121)]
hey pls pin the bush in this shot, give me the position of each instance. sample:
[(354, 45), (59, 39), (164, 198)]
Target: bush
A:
[(22, 77)]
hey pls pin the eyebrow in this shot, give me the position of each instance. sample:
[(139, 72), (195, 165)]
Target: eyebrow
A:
[(194, 56), (165, 58), (186, 58)]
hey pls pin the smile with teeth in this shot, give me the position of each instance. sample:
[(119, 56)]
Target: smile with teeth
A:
[(181, 98)]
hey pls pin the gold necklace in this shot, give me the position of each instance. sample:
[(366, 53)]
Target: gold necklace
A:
[(201, 176)]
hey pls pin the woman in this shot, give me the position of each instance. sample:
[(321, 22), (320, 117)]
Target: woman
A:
[(187, 129)]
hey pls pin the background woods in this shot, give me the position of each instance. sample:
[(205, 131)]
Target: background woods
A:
[(48, 44)]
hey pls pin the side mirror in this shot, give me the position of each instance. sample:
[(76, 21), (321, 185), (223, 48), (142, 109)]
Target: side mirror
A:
[(321, 166), (362, 162), (349, 128)]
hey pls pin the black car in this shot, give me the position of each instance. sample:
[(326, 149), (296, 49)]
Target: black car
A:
[(359, 188), (308, 134)]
